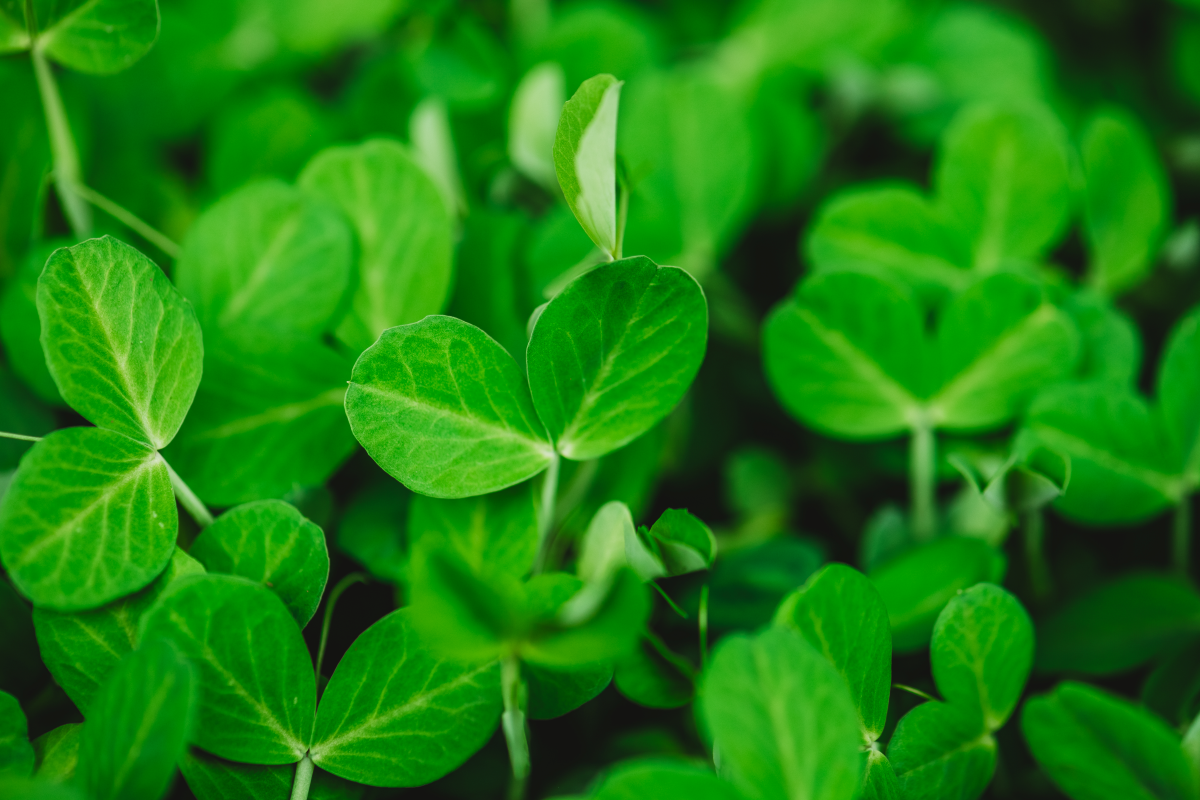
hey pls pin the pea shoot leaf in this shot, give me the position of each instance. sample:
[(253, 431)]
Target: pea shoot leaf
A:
[(257, 692), (444, 409), (106, 536), (373, 530), (98, 37), (403, 230), (653, 676), (880, 781), (553, 692), (537, 104), (81, 649), (681, 542), (122, 343), (139, 725), (495, 532), (939, 750), (1111, 344), (57, 752), (1096, 746), (781, 718), (841, 614), (21, 329), (614, 352), (16, 753), (585, 158), (395, 714), (212, 778), (269, 541), (659, 779)]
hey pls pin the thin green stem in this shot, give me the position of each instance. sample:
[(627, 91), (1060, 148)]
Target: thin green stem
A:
[(303, 780), (513, 721), (912, 690), (68, 174), (131, 220), (189, 500), (20, 437), (1181, 537), (341, 586), (1035, 554), (546, 513), (670, 602), (703, 627), (923, 482)]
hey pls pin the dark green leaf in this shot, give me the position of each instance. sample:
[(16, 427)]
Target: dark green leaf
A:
[(372, 531), (557, 691), (21, 329), (57, 752), (494, 533), (653, 676), (212, 778), (940, 752), (1111, 346), (16, 753), (99, 37), (659, 779), (1179, 394), (748, 585), (584, 631)]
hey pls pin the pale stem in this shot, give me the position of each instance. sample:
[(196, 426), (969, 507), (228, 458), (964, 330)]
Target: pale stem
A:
[(68, 175), (130, 220), (1181, 537), (923, 482), (189, 500), (1035, 554), (546, 513), (303, 780), (20, 437), (342, 585), (513, 722)]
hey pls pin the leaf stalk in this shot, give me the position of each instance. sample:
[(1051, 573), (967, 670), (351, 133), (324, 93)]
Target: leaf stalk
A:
[(130, 220), (303, 779), (20, 437), (68, 174), (188, 499), (341, 586), (513, 721), (923, 482)]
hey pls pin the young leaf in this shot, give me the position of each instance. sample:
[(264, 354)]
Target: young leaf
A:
[(557, 691), (257, 695), (611, 542), (269, 541), (16, 753), (1118, 626), (781, 718), (588, 632), (585, 158), (444, 409), (1127, 201), (533, 121), (982, 651), (939, 750), (652, 676), (122, 343), (494, 533), (266, 261), (212, 778), (841, 614), (661, 779), (139, 726), (1002, 181), (613, 354), (100, 37), (682, 542), (57, 752), (916, 586), (394, 714), (107, 535), (403, 230), (83, 648), (1095, 746)]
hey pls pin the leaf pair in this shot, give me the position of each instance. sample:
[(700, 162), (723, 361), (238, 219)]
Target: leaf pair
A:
[(444, 408), (66, 31), (678, 543), (91, 514)]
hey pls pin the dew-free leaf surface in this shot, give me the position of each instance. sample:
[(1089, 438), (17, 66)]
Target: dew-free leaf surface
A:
[(495, 533), (271, 542), (614, 353), (880, 781), (16, 753), (89, 517), (940, 751), (654, 677), (585, 158), (444, 409), (396, 714), (257, 692), (99, 37), (57, 752), (212, 778), (552, 692), (122, 343), (661, 779)]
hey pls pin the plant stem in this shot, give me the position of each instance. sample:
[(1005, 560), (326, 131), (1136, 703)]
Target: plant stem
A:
[(1181, 537), (923, 482), (303, 780), (341, 586), (546, 513), (131, 220), (68, 175), (1035, 554), (20, 437), (513, 722), (670, 602), (703, 627), (189, 500), (913, 690)]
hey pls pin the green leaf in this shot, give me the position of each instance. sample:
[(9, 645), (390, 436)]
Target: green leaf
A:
[(395, 714), (556, 691), (880, 781), (83, 648), (1002, 181), (587, 632), (490, 279), (653, 676), (982, 650), (533, 121), (893, 230), (1111, 345), (257, 694), (372, 531), (266, 261), (614, 353), (661, 779), (57, 752), (781, 718), (98, 37), (841, 614), (939, 751), (1095, 746), (1118, 626), (269, 541), (16, 753), (682, 542), (585, 158), (1126, 201), (444, 409), (611, 542), (89, 517), (493, 533), (212, 778), (916, 585), (139, 726), (264, 423), (749, 584), (122, 343), (404, 234), (1179, 393), (29, 789)]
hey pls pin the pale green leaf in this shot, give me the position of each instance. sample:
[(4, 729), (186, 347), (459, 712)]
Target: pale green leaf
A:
[(493, 533), (585, 158), (533, 120)]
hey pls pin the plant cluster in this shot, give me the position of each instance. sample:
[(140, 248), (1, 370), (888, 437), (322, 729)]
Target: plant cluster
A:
[(457, 443)]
